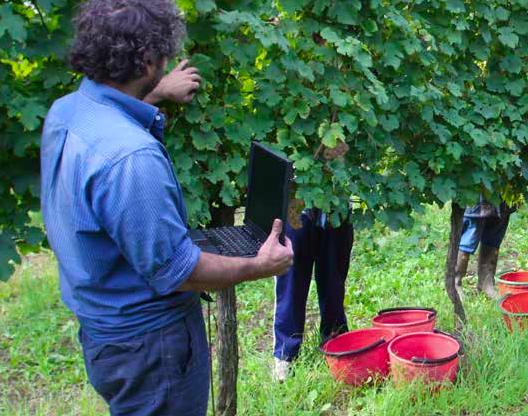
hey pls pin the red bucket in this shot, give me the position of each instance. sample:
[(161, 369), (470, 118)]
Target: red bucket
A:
[(512, 282), (514, 308), (355, 356), (429, 356), (406, 319)]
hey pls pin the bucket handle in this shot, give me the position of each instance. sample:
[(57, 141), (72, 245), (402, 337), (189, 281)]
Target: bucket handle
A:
[(351, 352), (417, 360), (460, 351), (409, 308)]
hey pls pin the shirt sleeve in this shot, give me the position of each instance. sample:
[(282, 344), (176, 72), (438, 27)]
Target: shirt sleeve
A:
[(136, 201)]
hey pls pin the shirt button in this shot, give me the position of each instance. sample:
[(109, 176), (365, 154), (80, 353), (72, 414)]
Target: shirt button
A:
[(158, 117)]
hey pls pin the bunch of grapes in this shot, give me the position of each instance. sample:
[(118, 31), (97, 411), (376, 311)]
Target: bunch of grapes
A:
[(295, 208), (334, 153)]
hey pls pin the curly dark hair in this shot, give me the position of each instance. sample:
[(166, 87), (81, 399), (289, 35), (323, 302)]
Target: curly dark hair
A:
[(114, 38)]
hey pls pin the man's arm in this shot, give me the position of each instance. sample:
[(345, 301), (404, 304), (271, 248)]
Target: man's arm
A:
[(217, 272)]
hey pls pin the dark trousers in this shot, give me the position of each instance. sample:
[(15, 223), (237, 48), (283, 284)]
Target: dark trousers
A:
[(329, 249), (164, 372)]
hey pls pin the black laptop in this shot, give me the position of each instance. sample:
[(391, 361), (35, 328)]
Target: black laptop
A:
[(269, 179)]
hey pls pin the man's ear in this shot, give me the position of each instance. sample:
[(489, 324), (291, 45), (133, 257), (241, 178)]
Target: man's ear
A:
[(150, 64)]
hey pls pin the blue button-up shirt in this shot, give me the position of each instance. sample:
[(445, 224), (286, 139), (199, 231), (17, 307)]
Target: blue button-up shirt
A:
[(114, 214)]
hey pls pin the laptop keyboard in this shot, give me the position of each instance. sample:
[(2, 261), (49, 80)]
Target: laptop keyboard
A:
[(233, 241)]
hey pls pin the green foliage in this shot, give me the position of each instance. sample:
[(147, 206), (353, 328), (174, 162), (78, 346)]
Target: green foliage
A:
[(429, 97), (32, 74)]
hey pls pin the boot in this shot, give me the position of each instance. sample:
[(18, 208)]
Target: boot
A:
[(460, 271), (487, 266)]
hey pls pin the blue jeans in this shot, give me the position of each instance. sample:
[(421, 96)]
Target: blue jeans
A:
[(329, 249), (160, 373), (488, 231)]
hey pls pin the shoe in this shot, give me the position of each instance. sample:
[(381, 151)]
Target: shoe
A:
[(460, 271), (487, 266), (281, 370)]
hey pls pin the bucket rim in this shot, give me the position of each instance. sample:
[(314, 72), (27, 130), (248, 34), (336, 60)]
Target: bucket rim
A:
[(498, 278), (507, 313), (407, 308), (415, 361), (430, 317), (366, 348)]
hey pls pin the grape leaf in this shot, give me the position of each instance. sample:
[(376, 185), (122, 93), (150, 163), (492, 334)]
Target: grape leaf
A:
[(12, 23)]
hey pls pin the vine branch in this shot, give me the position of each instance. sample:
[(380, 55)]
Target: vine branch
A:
[(39, 12)]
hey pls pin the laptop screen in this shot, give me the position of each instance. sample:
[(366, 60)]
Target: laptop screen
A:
[(268, 185)]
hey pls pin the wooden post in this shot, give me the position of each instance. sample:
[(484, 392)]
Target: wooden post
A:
[(227, 339), (457, 216), (227, 352)]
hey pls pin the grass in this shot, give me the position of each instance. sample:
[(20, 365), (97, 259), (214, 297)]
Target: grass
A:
[(42, 373)]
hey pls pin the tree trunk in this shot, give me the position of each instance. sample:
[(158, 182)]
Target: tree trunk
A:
[(457, 215), (227, 352), (227, 341)]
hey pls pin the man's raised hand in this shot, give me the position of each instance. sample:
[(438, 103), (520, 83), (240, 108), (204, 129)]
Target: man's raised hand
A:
[(179, 85)]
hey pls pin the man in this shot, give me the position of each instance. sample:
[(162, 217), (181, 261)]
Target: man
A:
[(484, 224), (116, 218), (317, 243)]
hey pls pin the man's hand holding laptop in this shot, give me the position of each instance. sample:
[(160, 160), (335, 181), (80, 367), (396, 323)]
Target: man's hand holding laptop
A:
[(273, 257)]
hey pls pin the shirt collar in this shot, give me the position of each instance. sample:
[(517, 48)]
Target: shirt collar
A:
[(147, 115)]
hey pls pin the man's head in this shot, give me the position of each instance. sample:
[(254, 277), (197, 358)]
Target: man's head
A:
[(123, 41)]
